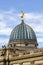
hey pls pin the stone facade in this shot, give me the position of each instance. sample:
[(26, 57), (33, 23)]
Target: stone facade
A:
[(8, 56)]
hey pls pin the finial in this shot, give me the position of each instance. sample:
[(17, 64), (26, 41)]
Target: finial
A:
[(22, 15)]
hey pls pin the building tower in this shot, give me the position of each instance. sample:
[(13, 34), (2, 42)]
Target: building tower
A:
[(23, 36)]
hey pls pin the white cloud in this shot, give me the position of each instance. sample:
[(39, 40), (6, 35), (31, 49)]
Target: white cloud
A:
[(35, 20), (5, 31), (32, 16), (4, 41), (1, 16), (39, 34), (40, 39), (2, 24), (38, 28)]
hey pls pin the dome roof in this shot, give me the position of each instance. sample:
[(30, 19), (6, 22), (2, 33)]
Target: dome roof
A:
[(22, 32)]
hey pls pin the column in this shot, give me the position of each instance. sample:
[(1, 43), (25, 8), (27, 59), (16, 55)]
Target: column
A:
[(11, 64), (32, 63), (20, 63), (7, 63), (4, 63)]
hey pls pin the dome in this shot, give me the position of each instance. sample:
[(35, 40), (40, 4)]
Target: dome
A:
[(22, 32)]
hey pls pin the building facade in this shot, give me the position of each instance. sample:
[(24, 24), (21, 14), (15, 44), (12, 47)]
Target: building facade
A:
[(22, 47)]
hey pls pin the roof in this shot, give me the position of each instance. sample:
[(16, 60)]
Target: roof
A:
[(22, 32)]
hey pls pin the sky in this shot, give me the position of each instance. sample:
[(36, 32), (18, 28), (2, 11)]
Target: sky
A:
[(10, 11)]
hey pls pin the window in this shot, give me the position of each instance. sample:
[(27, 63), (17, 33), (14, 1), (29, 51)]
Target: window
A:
[(14, 45), (10, 45), (26, 44)]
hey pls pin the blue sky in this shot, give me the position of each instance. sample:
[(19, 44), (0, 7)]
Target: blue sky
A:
[(25, 5), (10, 11)]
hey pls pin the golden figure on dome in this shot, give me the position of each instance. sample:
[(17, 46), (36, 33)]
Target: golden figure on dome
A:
[(22, 15)]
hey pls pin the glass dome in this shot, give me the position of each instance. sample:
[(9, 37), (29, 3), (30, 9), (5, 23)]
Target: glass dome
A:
[(22, 32)]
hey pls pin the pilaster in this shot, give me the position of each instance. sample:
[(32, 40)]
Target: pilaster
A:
[(32, 63), (21, 64)]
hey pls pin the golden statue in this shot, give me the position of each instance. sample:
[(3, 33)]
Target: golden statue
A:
[(22, 15)]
